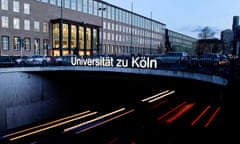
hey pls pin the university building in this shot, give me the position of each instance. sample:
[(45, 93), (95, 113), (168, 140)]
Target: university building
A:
[(83, 27), (176, 41)]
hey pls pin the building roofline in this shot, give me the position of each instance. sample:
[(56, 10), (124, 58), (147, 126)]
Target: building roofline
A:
[(107, 3), (74, 22), (181, 34)]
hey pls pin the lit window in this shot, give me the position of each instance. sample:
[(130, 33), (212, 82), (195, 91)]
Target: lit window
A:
[(26, 24), (88, 36), (16, 23), (56, 36), (45, 27), (65, 36), (4, 21), (81, 37), (26, 8), (16, 44), (4, 4), (73, 36), (16, 7)]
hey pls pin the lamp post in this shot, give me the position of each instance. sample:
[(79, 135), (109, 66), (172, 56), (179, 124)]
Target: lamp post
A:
[(151, 36), (102, 9), (131, 48), (61, 30)]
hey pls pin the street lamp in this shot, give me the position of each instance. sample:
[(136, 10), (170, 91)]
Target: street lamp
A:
[(102, 9), (151, 35), (61, 30), (131, 48)]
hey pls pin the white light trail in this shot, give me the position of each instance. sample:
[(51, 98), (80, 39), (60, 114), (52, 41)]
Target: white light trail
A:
[(53, 126), (160, 97), (98, 118), (156, 95)]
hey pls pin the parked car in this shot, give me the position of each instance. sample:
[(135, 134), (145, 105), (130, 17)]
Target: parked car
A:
[(39, 60), (63, 60), (22, 60), (213, 59), (224, 60), (173, 57)]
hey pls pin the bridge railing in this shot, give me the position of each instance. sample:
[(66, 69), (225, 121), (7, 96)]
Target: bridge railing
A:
[(231, 70)]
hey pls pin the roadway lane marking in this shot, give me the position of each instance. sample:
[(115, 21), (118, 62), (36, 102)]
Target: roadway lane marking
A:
[(46, 124)]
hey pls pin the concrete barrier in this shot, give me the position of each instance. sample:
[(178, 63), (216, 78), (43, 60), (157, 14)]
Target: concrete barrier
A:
[(32, 94), (26, 98)]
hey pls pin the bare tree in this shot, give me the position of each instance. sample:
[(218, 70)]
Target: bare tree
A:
[(206, 33)]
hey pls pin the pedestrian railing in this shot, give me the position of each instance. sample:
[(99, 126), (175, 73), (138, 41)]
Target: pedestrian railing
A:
[(230, 70)]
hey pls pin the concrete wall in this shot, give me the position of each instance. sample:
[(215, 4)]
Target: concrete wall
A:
[(28, 97), (25, 98), (31, 96)]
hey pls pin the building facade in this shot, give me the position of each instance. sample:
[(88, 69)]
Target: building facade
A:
[(209, 46), (236, 38), (180, 42), (83, 27), (227, 40)]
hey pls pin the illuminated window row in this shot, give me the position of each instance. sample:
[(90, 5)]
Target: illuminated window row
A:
[(76, 39)]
